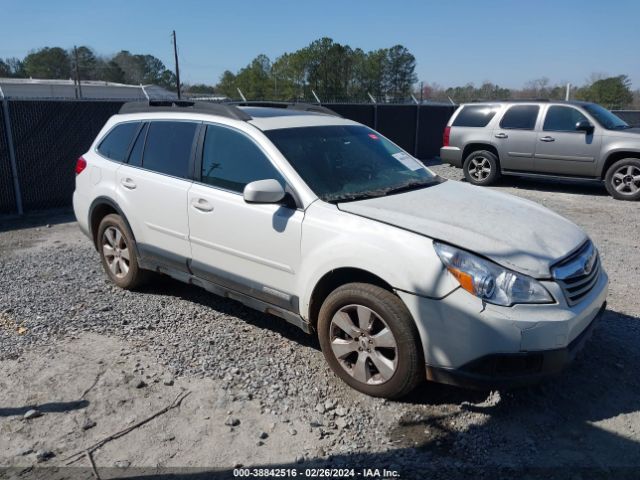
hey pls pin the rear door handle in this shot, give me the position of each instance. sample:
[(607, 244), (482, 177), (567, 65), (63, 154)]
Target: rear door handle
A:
[(501, 135), (201, 204), (547, 139), (128, 183)]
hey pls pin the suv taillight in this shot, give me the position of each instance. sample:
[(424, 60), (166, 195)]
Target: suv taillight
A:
[(81, 164), (445, 136)]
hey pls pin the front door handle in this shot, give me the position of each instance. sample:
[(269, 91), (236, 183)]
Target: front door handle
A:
[(201, 204), (128, 183), (501, 135), (547, 139)]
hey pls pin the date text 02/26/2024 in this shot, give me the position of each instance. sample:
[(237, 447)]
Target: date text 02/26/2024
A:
[(315, 473)]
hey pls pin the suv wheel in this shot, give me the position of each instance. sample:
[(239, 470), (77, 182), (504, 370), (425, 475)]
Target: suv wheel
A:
[(481, 168), (370, 341), (623, 179), (118, 253)]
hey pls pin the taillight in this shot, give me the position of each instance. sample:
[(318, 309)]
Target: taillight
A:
[(445, 136), (81, 164)]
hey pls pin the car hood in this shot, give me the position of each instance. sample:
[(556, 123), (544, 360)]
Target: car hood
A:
[(513, 232)]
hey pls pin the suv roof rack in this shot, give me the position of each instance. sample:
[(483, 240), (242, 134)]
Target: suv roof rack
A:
[(221, 109), (305, 107)]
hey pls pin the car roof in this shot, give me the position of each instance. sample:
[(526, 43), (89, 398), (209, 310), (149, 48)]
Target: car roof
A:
[(538, 100), (263, 115)]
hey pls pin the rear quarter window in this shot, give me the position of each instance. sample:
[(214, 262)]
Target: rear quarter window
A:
[(115, 145), (474, 116)]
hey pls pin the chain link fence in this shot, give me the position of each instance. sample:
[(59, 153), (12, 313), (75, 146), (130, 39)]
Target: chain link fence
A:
[(49, 135)]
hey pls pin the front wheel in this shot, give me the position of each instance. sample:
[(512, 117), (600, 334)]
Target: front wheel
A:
[(623, 179), (370, 341)]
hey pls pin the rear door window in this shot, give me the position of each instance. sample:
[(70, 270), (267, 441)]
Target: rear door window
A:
[(230, 160), (115, 145), (520, 117), (135, 157), (474, 116), (168, 148)]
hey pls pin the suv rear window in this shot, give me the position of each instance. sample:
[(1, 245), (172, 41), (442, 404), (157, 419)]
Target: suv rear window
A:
[(115, 145), (474, 116), (168, 147), (520, 117)]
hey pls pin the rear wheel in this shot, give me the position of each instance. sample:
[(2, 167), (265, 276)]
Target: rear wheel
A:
[(623, 179), (370, 341), (118, 253), (481, 168)]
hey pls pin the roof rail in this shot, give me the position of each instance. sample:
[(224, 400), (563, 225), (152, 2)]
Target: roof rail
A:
[(512, 100), (305, 107), (220, 109)]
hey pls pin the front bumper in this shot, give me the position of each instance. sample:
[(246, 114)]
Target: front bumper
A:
[(468, 342), (514, 369)]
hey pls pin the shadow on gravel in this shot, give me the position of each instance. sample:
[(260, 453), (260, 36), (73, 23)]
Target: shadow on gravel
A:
[(36, 219), (590, 188), (568, 420), (166, 286), (53, 407)]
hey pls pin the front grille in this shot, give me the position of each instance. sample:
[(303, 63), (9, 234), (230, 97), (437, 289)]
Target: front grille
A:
[(578, 274)]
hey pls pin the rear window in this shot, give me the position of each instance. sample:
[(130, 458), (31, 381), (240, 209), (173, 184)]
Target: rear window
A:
[(168, 147), (115, 145), (520, 117), (475, 116)]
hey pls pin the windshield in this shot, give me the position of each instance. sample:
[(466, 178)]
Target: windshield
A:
[(605, 118), (349, 162)]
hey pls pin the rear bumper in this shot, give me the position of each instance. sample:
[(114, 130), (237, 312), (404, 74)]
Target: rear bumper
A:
[(514, 369), (452, 156)]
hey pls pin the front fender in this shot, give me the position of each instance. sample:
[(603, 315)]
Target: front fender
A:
[(333, 239)]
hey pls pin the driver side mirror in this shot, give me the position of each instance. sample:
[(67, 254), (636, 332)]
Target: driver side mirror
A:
[(263, 191), (584, 126)]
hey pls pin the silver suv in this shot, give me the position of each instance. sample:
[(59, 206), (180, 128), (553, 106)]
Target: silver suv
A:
[(574, 140)]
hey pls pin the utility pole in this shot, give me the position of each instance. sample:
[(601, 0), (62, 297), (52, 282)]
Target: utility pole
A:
[(421, 91), (175, 55), (75, 54), (568, 94)]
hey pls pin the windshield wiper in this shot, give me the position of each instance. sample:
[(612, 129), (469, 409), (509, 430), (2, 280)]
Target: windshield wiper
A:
[(381, 192), (413, 185)]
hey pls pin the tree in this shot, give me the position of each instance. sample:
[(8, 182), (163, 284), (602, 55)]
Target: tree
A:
[(200, 88), (612, 92), (227, 84), (87, 63), (399, 72), (4, 69), (48, 63)]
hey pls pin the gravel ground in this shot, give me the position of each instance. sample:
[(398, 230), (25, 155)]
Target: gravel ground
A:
[(62, 324)]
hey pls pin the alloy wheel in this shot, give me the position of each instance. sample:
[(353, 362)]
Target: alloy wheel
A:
[(115, 251), (363, 344), (479, 168), (626, 180)]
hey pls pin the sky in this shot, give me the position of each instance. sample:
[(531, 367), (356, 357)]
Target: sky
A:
[(454, 42)]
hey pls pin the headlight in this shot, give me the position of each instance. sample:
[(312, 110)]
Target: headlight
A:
[(488, 281)]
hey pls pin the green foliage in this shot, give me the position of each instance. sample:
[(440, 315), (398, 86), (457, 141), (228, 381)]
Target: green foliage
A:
[(333, 71), (612, 92), (200, 88), (48, 63)]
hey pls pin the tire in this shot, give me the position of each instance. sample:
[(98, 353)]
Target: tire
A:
[(622, 179), (481, 168), (363, 358), (115, 243)]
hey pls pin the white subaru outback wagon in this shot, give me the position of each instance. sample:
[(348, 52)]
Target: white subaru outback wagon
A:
[(322, 221)]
